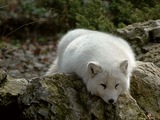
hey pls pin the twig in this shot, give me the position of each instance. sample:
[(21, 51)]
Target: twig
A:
[(20, 28)]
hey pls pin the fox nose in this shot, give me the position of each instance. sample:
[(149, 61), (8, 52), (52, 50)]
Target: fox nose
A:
[(111, 101)]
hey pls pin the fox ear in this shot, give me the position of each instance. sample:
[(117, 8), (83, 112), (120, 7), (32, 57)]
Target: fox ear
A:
[(124, 66), (93, 68)]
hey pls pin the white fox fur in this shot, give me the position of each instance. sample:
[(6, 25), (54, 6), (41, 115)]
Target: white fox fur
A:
[(104, 62)]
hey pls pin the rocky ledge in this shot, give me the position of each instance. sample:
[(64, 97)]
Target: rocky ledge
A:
[(65, 97)]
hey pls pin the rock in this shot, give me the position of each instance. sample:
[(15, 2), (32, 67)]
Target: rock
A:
[(65, 97), (10, 89), (62, 97), (151, 54), (3, 76), (155, 34), (14, 73), (145, 88), (140, 34)]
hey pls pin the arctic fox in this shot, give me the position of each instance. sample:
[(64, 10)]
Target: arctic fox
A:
[(104, 62)]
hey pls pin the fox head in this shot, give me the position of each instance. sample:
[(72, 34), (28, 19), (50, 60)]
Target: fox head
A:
[(108, 83)]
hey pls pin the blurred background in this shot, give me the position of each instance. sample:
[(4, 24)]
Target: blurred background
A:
[(44, 20), (30, 29)]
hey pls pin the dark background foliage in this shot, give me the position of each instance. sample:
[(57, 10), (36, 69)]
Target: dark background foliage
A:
[(45, 20)]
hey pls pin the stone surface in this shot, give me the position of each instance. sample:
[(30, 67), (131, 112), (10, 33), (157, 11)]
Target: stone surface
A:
[(145, 88), (151, 53), (155, 34), (140, 34), (63, 97), (10, 89)]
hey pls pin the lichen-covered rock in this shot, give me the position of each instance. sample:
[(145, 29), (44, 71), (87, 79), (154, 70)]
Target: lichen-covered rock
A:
[(139, 34), (151, 53), (145, 88), (62, 97), (10, 89)]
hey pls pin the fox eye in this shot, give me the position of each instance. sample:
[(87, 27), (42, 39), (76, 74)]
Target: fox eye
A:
[(116, 86), (103, 85)]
